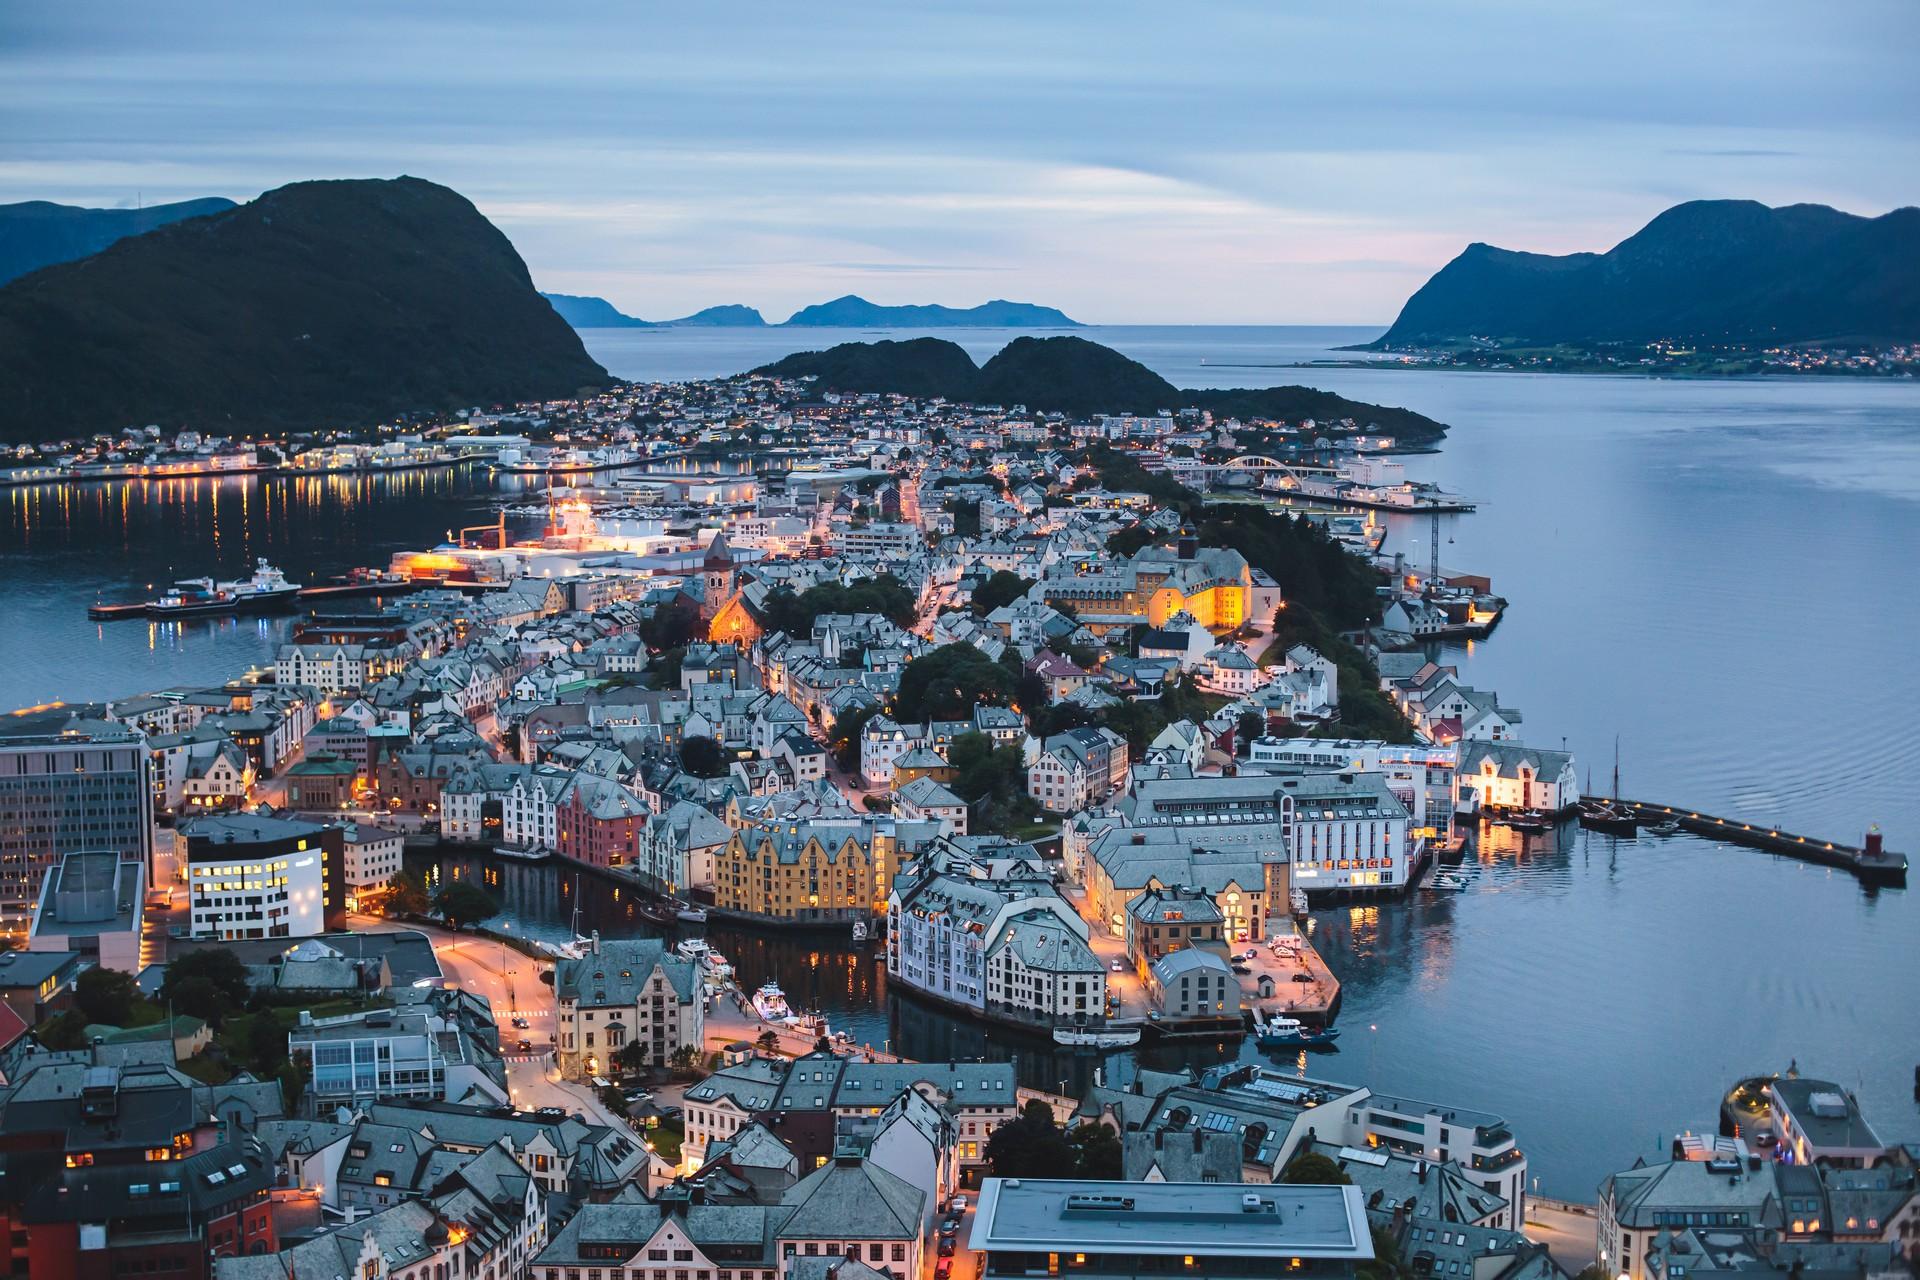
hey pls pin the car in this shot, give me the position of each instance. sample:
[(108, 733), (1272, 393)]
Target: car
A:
[(957, 1205), (1240, 968), (1117, 967), (947, 1247), (950, 1227), (526, 1045), (521, 1023), (551, 1112), (943, 1269), (1251, 953), (1303, 977)]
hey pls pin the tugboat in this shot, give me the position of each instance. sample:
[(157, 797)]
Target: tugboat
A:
[(1282, 1032)]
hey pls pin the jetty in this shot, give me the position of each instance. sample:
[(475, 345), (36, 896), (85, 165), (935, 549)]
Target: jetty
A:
[(1870, 861)]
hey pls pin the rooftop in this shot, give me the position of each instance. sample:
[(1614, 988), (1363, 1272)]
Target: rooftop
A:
[(1217, 1220)]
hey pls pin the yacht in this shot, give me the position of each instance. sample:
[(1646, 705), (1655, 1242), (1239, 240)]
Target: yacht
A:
[(694, 949), (1282, 1032), (771, 1003)]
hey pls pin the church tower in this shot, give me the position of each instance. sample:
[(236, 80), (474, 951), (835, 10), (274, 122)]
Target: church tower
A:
[(717, 577)]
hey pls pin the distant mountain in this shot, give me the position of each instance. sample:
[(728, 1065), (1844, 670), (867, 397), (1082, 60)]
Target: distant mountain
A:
[(1731, 271), (853, 312), (39, 233), (319, 303), (728, 316), (1074, 376), (585, 312)]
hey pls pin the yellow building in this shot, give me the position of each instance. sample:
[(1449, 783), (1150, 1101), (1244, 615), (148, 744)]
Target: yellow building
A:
[(1212, 584), (806, 872)]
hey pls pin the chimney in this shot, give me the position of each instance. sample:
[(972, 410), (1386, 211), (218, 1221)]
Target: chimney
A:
[(596, 942)]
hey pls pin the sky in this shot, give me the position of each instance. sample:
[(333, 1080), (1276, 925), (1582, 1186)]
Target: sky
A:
[(1278, 162)]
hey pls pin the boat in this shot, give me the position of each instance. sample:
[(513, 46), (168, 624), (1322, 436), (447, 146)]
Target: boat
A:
[(264, 589), (1610, 815), (1088, 1038), (859, 932), (1282, 1032), (694, 949), (1297, 903), (691, 915), (771, 1003), (1665, 827), (558, 950), (1527, 820), (1445, 881)]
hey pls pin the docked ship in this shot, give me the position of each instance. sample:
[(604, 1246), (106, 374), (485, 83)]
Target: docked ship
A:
[(1282, 1032), (1090, 1038), (266, 589), (771, 1003)]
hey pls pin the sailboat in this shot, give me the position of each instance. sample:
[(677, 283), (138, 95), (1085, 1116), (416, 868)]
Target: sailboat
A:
[(1612, 815)]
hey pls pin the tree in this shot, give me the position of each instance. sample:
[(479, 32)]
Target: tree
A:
[(845, 739), (769, 1039), (631, 1056), (994, 781), (107, 996), (462, 903), (702, 757), (685, 1060), (208, 983), (1310, 1167), (1249, 726), (1100, 1153), (1004, 587), (948, 683), (407, 895), (1031, 1146)]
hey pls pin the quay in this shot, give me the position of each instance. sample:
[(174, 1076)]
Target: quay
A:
[(1870, 863)]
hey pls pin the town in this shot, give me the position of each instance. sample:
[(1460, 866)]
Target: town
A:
[(1070, 723)]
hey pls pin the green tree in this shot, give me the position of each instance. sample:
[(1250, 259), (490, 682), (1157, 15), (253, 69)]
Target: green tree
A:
[(1100, 1155), (1004, 587), (994, 781), (1250, 725), (1031, 1146), (208, 983), (702, 757), (948, 683), (63, 1031), (844, 741), (631, 1056), (1310, 1167), (107, 996), (463, 903), (407, 895)]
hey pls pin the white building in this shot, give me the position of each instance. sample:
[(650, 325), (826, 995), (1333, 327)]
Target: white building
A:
[(1508, 775), (625, 992), (372, 860)]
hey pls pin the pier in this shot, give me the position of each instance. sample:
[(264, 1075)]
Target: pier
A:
[(1871, 863)]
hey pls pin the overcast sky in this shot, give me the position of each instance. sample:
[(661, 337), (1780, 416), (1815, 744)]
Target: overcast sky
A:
[(1273, 162)]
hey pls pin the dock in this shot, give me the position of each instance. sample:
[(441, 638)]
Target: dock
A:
[(1870, 863)]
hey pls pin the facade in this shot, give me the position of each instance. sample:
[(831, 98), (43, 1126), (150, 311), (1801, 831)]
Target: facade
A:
[(622, 993), (1166, 919), (66, 787), (1078, 769), (256, 877), (1421, 776), (1508, 775), (1193, 982), (372, 860), (441, 1045), (807, 872)]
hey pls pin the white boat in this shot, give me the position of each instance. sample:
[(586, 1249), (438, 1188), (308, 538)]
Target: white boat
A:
[(1446, 881), (1086, 1038), (859, 932), (559, 951), (1297, 902), (692, 915), (770, 1002), (694, 949)]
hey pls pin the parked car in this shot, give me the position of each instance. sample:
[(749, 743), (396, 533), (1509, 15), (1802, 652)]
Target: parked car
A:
[(943, 1269), (957, 1205), (950, 1226), (946, 1246), (1117, 967)]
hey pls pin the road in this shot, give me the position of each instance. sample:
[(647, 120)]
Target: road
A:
[(510, 982), (1570, 1237)]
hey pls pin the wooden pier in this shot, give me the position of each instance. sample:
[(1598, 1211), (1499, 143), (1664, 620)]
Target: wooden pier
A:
[(1871, 863)]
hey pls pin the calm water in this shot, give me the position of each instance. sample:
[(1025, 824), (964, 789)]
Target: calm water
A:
[(1720, 573)]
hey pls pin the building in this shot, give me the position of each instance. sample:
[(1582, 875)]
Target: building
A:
[(1242, 866), (66, 786), (1819, 1122), (433, 1047), (372, 859), (807, 872), (623, 993), (1165, 919), (1123, 1230), (1078, 769), (250, 876), (38, 984), (1193, 983), (1509, 775), (1649, 1201), (94, 905), (1420, 775)]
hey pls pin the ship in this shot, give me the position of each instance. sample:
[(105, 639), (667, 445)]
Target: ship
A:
[(1611, 815), (1089, 1038), (771, 1003), (267, 588), (1282, 1032)]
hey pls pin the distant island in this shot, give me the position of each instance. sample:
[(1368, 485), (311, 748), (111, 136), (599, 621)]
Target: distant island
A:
[(320, 303), (39, 233), (1074, 376), (850, 312), (1710, 279), (853, 312), (587, 312)]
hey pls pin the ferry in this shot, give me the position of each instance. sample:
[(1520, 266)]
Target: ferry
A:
[(1088, 1038), (771, 1003), (267, 588), (1282, 1032)]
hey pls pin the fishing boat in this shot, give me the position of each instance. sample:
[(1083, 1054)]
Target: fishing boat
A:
[(265, 589), (1088, 1038), (1610, 815), (770, 1002), (1282, 1032)]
